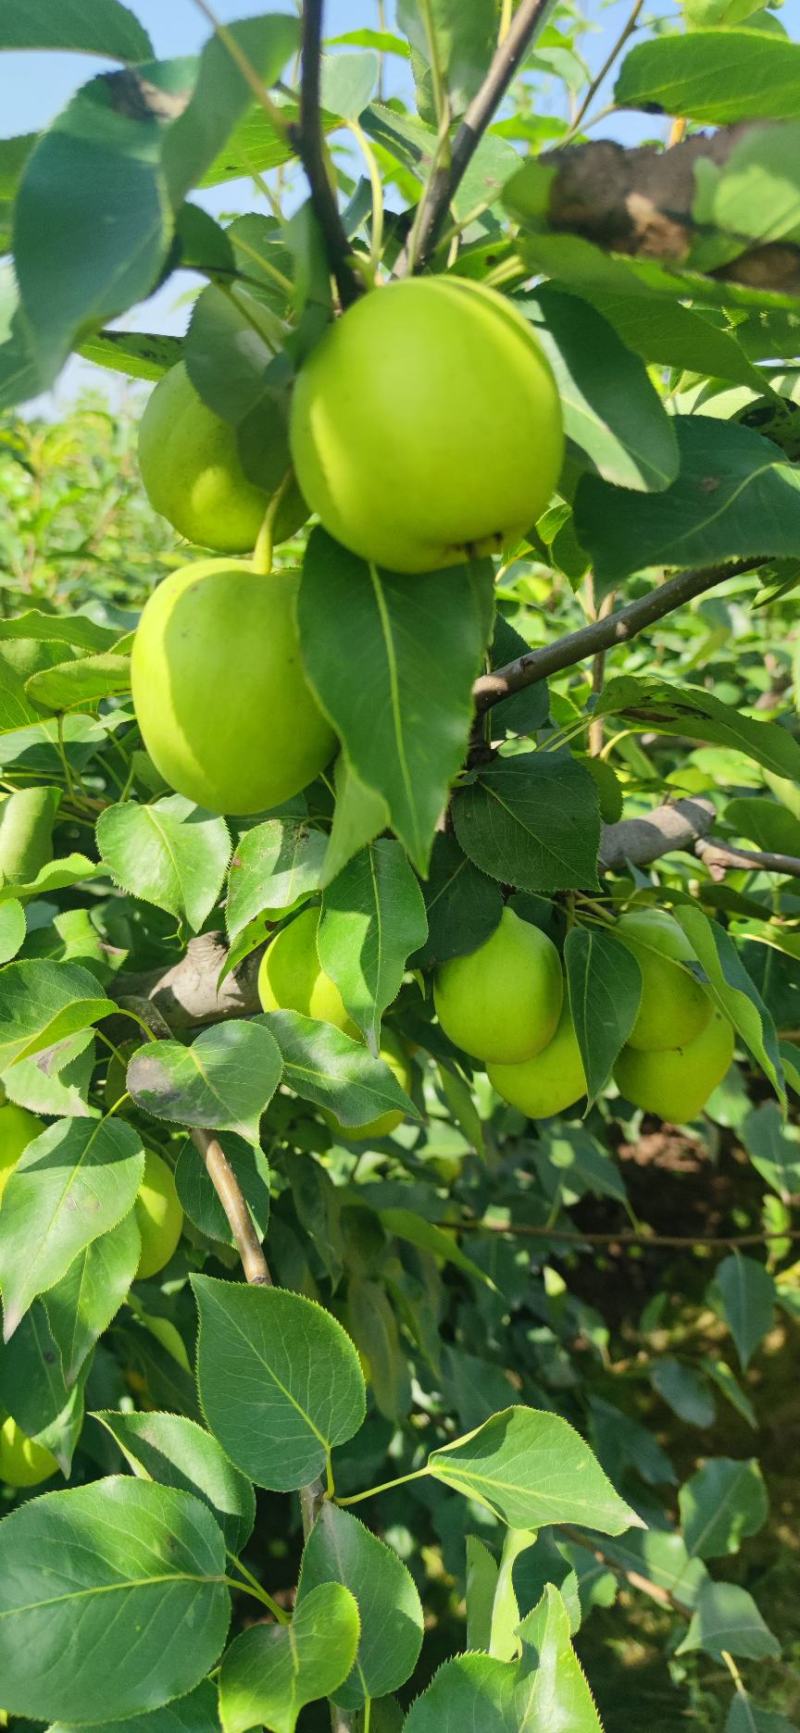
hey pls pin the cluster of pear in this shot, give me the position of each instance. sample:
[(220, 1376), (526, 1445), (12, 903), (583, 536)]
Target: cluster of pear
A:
[(505, 1004), (425, 428), (159, 1218), (291, 978)]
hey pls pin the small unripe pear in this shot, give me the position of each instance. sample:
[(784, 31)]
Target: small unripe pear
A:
[(291, 976), (676, 1084), (393, 1055), (159, 1216), (503, 1001), (223, 704), (18, 1128), (23, 1462), (193, 474), (675, 1007), (550, 1082), (26, 833)]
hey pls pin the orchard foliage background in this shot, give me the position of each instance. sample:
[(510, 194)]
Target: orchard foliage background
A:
[(604, 1303)]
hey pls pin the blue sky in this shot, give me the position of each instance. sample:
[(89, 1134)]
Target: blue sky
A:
[(34, 87)]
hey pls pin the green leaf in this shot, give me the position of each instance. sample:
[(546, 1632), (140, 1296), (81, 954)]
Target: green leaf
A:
[(76, 629), (660, 1555), (92, 222), (140, 354), (753, 197), (359, 815), (690, 710), (340, 1549), (684, 1389), (223, 1081), (612, 411), (407, 1225), (43, 1003), (725, 1381), (464, 37), (774, 1152), (746, 1717), (463, 905), (269, 1673), (372, 1321), (726, 1619), (733, 990), (102, 27), (553, 1691), (323, 1065), (722, 1503), (605, 989), (82, 683), (222, 94), (482, 1574), (72, 1183), (713, 76), (114, 1581), (12, 928), (736, 496), (374, 644), (348, 81), (471, 1687), (196, 1713), (280, 1381), (765, 823), (82, 1304), (55, 875), (273, 865), (532, 821), (32, 1383), (373, 917), (746, 1292), (532, 1468), (172, 854), (175, 1451), (56, 1080)]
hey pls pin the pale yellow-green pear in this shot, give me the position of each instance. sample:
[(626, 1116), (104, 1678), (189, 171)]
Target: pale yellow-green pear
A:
[(18, 1128), (193, 474), (224, 708), (676, 1083), (502, 1002), (426, 425), (291, 976), (159, 1216), (550, 1082), (23, 1462), (26, 832), (394, 1055), (674, 1007)]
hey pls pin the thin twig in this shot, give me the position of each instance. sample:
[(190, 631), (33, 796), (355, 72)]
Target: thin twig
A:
[(597, 724), (720, 858), (626, 1237), (448, 175), (617, 628), (307, 139), (600, 76), (230, 1195)]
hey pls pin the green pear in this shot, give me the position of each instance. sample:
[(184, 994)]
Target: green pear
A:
[(426, 426), (291, 976), (676, 1084), (393, 1055), (23, 1462), (502, 1002), (221, 699), (550, 1082), (18, 1128), (159, 1216), (674, 1007), (26, 833), (193, 475)]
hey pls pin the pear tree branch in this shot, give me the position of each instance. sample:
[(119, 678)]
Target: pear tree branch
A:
[(447, 178), (307, 139), (605, 634)]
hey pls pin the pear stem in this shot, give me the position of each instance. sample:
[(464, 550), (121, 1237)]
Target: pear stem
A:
[(262, 553)]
